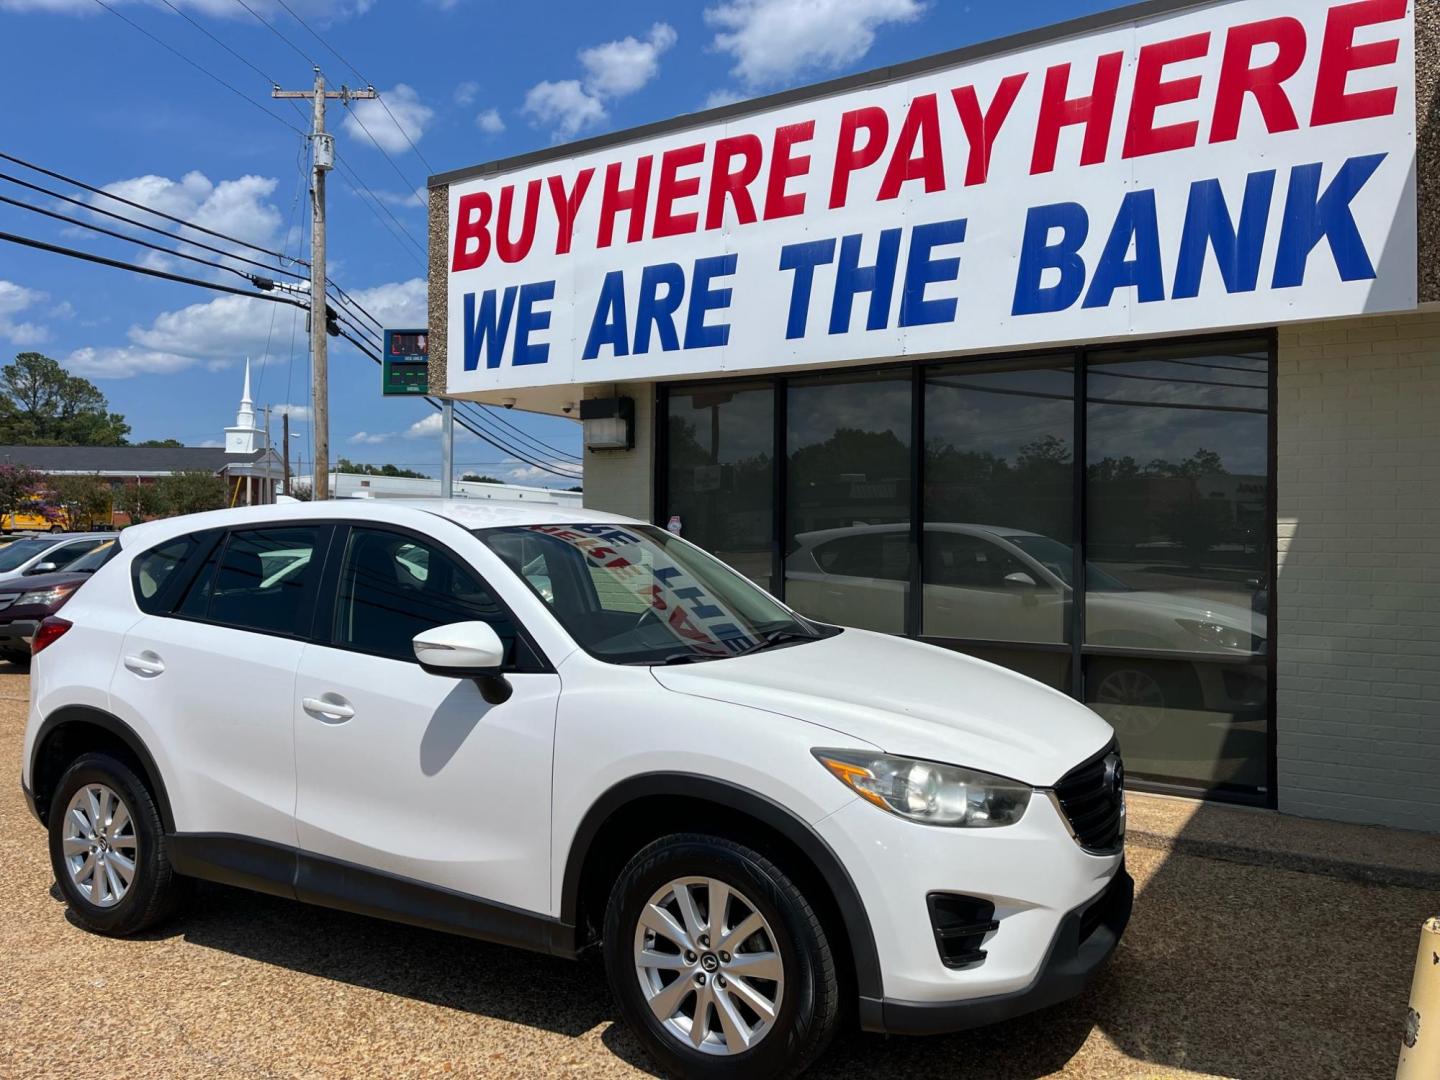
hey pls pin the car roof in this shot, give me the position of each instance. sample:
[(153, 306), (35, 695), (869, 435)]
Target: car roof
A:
[(822, 535), (467, 513)]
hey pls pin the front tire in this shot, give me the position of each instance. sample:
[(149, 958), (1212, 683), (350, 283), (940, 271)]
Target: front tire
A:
[(108, 849), (719, 964)]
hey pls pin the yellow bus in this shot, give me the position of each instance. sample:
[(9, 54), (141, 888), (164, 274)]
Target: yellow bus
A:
[(29, 518)]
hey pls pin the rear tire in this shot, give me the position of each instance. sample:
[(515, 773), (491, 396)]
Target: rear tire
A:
[(769, 1003), (103, 819)]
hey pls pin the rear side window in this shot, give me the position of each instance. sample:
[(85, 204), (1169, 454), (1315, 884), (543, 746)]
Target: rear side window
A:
[(152, 570), (260, 580)]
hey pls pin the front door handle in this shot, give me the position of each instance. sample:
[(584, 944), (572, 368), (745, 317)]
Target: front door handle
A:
[(329, 707), (147, 665)]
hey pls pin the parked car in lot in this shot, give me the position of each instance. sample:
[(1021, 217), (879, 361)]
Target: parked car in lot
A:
[(566, 730), (31, 555), (24, 605)]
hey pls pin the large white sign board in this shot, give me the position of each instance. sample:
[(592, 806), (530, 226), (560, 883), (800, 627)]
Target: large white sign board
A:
[(1240, 164)]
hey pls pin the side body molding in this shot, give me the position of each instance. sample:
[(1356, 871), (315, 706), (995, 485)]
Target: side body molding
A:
[(754, 805)]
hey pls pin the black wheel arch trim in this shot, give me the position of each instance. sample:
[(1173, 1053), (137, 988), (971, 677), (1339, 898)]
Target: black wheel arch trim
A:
[(112, 725), (764, 809)]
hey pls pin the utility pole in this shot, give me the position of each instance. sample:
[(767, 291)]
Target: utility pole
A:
[(322, 147), (285, 436), (447, 448)]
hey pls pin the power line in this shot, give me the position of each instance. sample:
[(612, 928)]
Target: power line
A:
[(405, 180), (271, 27), (103, 261), (120, 236), (149, 228), (356, 72), (347, 174), (208, 74), (184, 15), (141, 206)]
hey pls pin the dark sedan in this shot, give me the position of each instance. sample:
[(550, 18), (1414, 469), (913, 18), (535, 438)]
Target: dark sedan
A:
[(25, 601)]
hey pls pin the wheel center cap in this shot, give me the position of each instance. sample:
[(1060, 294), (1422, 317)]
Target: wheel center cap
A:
[(710, 962)]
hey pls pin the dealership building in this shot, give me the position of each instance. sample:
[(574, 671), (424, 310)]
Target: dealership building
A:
[(1109, 353)]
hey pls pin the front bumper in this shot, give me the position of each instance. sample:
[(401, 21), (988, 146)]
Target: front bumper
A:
[(1086, 939)]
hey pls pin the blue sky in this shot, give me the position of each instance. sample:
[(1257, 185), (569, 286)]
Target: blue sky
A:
[(467, 80)]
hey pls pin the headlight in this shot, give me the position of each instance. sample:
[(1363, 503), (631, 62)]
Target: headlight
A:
[(927, 791), (1226, 637), (53, 596)]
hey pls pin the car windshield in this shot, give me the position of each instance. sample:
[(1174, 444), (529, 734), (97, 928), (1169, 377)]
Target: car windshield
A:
[(21, 552), (1060, 561), (89, 563), (635, 594)]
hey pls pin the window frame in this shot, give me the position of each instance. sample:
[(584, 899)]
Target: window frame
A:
[(1081, 654), (529, 659)]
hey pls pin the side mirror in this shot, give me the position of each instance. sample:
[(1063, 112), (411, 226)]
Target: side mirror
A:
[(43, 568), (1019, 580), (466, 650)]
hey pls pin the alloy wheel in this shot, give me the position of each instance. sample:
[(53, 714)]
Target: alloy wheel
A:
[(99, 845), (709, 966)]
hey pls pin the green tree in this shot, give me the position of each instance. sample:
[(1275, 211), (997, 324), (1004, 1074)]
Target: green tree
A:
[(140, 500), (480, 478), (41, 404), (86, 500), (161, 443), (191, 492), (345, 465), (19, 486)]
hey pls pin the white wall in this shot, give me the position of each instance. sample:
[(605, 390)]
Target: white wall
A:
[(622, 481), (1359, 587), (349, 485)]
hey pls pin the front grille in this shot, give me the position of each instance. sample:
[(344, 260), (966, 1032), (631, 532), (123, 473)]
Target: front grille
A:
[(1092, 798)]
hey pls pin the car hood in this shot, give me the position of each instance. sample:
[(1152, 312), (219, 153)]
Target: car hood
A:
[(911, 699)]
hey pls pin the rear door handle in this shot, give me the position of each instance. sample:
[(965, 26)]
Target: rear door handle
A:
[(328, 707), (146, 665)]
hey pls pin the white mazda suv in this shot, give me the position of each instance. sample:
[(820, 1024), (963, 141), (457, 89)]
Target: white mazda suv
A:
[(565, 730)]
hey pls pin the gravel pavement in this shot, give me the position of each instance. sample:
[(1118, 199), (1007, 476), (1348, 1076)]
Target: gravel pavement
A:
[(1227, 970)]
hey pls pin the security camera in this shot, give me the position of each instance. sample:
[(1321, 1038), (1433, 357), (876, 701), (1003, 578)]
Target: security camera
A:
[(508, 402), (568, 408)]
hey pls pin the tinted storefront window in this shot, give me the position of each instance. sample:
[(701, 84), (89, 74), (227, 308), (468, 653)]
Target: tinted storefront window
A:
[(847, 543), (1177, 483), (722, 472), (1170, 643), (999, 501)]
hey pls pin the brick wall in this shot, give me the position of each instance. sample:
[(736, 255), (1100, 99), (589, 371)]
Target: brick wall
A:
[(620, 481), (1358, 710)]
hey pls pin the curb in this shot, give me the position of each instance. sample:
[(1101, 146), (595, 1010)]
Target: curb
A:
[(1296, 862)]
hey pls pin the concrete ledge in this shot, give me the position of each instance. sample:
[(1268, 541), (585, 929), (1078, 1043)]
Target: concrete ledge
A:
[(1361, 853)]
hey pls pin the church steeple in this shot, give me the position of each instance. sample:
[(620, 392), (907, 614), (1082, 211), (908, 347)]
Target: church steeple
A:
[(244, 437)]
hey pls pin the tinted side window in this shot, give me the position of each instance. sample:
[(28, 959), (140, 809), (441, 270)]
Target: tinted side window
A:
[(64, 556), (152, 569), (261, 579), (393, 587)]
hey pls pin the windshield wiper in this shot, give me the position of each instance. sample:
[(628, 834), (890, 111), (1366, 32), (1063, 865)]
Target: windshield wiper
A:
[(773, 638)]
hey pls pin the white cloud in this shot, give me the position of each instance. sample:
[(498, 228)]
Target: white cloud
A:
[(723, 96), (420, 197), (410, 115), (295, 412), (466, 93), (15, 299), (124, 362), (614, 69), (564, 107), (397, 304), (221, 330), (617, 68), (63, 310), (424, 428), (779, 41), (365, 438), (490, 122)]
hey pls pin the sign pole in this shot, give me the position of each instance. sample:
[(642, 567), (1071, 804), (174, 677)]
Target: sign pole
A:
[(447, 449)]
